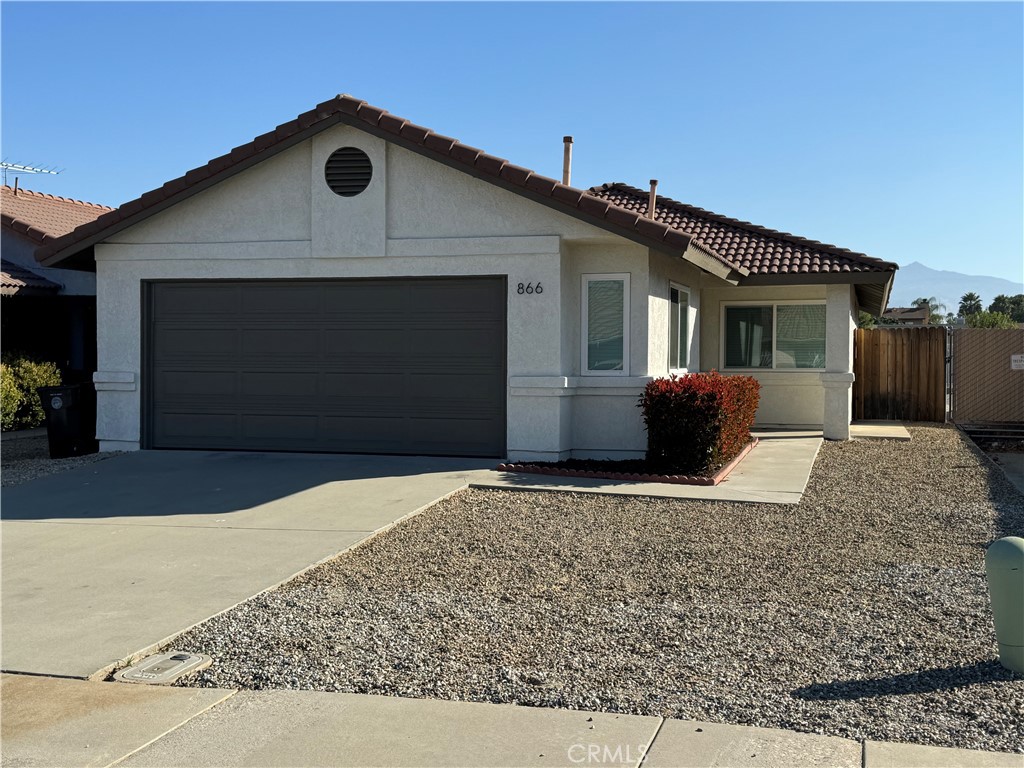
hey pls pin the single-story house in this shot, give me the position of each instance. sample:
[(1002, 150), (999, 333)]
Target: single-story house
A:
[(47, 313), (913, 316), (353, 282)]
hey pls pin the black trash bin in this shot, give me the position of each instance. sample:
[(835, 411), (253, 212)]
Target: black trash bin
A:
[(70, 419)]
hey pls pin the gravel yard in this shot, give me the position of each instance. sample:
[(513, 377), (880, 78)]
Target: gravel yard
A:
[(861, 612), (26, 458)]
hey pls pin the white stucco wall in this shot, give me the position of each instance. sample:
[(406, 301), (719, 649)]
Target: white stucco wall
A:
[(605, 419), (279, 220), (666, 271), (841, 320), (417, 218), (792, 398), (22, 251)]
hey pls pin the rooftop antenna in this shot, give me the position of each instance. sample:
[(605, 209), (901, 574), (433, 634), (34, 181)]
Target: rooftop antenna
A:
[(18, 169)]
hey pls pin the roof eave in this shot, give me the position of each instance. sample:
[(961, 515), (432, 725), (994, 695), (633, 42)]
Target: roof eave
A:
[(54, 252), (814, 278), (566, 200), (872, 288), (701, 258), (28, 290), (24, 229)]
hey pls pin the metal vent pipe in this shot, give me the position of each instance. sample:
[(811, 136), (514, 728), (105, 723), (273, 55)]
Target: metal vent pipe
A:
[(567, 160)]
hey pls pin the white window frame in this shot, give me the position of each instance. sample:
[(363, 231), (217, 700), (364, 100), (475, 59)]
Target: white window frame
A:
[(691, 329), (775, 315), (585, 326)]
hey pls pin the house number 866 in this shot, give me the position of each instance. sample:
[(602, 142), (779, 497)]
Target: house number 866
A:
[(529, 288)]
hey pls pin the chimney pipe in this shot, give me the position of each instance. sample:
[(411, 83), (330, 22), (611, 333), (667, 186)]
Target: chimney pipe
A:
[(567, 160), (15, 185), (652, 200)]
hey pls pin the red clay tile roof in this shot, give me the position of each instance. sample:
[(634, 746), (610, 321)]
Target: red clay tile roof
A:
[(735, 250), (15, 278), (760, 250), (43, 217), (352, 111)]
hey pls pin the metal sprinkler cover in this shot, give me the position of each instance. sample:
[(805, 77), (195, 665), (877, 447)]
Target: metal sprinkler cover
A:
[(163, 668)]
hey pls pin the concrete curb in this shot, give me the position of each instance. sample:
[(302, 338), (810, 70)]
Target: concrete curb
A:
[(632, 477)]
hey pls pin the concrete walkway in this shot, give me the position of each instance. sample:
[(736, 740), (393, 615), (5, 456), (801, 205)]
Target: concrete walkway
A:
[(775, 472), (879, 430), (48, 722), (111, 559), (1012, 465)]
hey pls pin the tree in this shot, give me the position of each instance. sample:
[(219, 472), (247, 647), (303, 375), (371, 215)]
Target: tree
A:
[(970, 304), (1009, 305), (991, 320), (866, 320), (936, 310)]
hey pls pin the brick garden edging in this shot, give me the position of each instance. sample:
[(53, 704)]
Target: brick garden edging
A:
[(533, 469)]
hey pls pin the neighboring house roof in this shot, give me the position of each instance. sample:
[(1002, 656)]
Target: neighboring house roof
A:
[(908, 314), (41, 217), (613, 208), (758, 249), (16, 279)]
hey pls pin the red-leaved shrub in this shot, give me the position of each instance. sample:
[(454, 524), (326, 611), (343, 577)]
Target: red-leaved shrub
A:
[(699, 421)]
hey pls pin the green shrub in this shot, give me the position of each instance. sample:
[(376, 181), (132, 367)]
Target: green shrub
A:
[(698, 422), (991, 320), (21, 378), (10, 398)]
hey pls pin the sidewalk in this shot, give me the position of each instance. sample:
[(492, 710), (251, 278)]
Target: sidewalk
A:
[(52, 721)]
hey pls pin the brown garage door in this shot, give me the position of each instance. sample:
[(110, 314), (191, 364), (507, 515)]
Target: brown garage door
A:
[(413, 366)]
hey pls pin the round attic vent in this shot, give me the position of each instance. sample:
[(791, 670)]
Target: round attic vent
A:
[(348, 171)]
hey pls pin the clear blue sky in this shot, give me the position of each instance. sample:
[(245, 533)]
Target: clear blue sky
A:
[(893, 129)]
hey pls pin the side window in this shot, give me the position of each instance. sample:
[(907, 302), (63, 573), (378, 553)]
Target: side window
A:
[(605, 325), (679, 329)]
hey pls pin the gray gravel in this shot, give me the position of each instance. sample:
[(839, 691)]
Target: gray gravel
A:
[(26, 458), (861, 612)]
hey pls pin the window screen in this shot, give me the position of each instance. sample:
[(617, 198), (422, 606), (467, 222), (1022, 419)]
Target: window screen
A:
[(605, 324), (800, 336)]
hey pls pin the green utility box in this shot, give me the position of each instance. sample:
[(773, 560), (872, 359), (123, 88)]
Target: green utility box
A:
[(1004, 566)]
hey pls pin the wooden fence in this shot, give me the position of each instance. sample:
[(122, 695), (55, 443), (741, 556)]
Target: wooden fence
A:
[(900, 374)]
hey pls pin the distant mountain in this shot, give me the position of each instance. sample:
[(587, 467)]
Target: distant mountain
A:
[(916, 280)]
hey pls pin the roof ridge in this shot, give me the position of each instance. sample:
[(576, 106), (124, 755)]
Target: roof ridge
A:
[(47, 196), (745, 225), (350, 110)]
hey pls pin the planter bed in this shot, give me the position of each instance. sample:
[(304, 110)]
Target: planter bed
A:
[(627, 470)]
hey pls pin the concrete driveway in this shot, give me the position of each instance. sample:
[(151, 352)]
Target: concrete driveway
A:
[(113, 558)]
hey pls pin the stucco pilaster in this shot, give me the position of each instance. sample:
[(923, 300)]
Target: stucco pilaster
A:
[(838, 377)]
